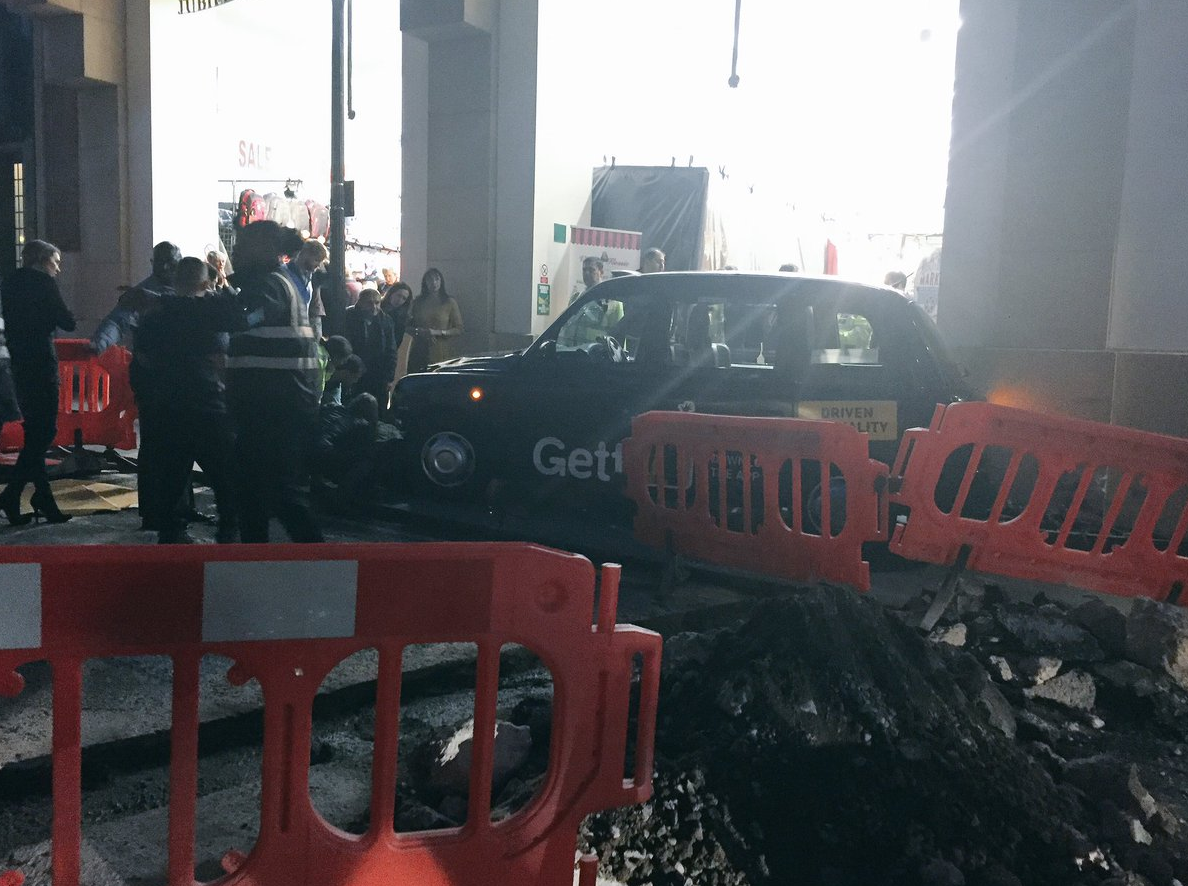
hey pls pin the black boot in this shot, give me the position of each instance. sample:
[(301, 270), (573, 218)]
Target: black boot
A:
[(44, 506), (10, 504)]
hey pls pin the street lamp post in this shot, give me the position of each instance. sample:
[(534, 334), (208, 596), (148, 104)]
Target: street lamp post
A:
[(337, 153)]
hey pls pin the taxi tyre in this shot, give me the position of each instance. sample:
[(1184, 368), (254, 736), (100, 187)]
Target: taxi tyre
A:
[(445, 460)]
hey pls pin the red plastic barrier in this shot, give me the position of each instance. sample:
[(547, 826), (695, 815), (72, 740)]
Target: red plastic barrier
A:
[(685, 473), (287, 615), (1040, 497), (105, 409)]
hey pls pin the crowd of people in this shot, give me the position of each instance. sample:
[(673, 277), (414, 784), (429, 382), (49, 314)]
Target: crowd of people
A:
[(255, 368)]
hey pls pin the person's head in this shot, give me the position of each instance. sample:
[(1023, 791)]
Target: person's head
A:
[(789, 268), (218, 261), (166, 257), (896, 280), (369, 302), (350, 370), (338, 348), (43, 256), (192, 276), (433, 283), (312, 256), (653, 260), (258, 247), (591, 271), (291, 242), (397, 295), (389, 276)]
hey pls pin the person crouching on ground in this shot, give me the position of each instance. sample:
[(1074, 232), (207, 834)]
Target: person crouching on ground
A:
[(179, 342)]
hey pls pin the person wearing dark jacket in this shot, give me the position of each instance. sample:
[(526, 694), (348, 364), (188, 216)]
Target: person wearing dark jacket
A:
[(370, 333), (272, 390), (33, 309), (179, 341)]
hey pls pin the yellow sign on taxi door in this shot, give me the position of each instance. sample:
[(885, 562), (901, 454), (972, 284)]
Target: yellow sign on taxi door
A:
[(876, 418)]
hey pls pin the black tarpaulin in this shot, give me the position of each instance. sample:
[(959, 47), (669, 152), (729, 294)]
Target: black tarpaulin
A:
[(666, 204)]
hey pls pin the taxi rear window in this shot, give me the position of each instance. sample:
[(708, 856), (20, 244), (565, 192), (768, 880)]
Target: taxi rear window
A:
[(722, 333)]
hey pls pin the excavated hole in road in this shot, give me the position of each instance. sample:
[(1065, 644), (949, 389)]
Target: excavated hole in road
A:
[(818, 738)]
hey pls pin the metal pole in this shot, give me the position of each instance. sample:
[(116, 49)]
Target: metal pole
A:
[(337, 153)]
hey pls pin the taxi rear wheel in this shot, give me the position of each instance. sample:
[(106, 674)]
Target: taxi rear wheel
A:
[(446, 462)]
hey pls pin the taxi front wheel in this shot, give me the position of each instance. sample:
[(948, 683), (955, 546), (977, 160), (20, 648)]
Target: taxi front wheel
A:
[(448, 464)]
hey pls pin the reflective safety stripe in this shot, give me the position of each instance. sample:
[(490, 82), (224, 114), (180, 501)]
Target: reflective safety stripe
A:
[(280, 332), (20, 603), (298, 312), (251, 362), (279, 600)]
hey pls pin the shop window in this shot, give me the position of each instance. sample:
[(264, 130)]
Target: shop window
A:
[(18, 208)]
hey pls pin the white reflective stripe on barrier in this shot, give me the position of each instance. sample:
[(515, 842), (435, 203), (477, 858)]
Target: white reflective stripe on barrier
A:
[(281, 600), (20, 605)]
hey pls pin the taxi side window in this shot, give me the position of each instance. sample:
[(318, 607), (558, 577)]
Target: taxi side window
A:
[(720, 334), (846, 338)]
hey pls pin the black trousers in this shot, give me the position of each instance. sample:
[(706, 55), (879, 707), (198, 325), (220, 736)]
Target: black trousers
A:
[(148, 466), (184, 437), (270, 449), (39, 406)]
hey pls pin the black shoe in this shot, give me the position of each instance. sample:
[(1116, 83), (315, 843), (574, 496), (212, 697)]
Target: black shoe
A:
[(10, 506), (196, 516), (45, 508)]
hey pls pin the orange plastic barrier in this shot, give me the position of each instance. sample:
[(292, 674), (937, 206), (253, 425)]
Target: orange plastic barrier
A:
[(1046, 498), (784, 497), (105, 408), (287, 614)]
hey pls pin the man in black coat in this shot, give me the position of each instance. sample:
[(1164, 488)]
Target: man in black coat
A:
[(179, 343), (370, 332)]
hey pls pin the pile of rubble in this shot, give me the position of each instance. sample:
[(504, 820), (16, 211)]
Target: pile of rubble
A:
[(825, 739)]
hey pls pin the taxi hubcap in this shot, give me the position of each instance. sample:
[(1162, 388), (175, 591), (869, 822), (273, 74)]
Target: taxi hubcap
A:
[(448, 459)]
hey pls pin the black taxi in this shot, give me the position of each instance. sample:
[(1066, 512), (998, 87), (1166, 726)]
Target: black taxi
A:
[(547, 423)]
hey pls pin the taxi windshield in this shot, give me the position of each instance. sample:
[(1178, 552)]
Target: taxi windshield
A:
[(591, 323)]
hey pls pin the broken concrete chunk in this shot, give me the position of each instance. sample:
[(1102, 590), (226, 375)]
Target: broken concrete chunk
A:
[(1157, 636), (1038, 669), (1105, 622), (1074, 689), (954, 635), (1138, 833), (1046, 633), (450, 771), (1128, 676), (998, 710), (1002, 668)]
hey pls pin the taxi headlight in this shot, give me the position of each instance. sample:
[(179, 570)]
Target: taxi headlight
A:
[(476, 394)]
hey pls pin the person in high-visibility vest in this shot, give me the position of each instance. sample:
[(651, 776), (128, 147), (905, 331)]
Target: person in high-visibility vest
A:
[(272, 390)]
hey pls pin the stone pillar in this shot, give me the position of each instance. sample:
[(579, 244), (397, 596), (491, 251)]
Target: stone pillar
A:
[(1040, 126), (80, 190), (449, 87)]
